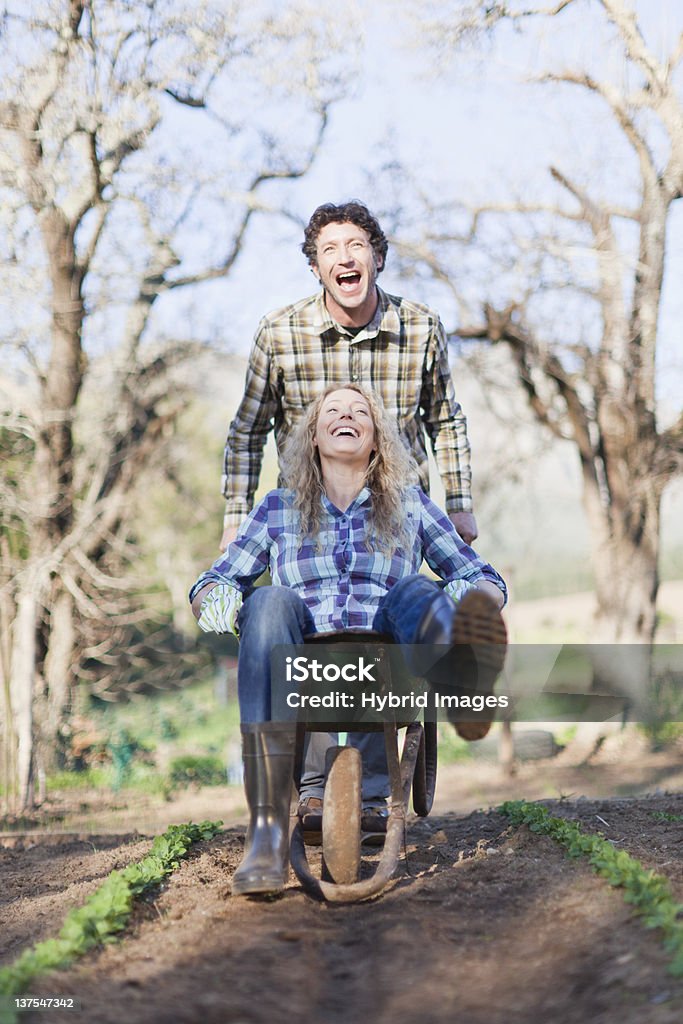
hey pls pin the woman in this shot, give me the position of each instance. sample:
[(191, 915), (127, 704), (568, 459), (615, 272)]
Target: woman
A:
[(343, 540)]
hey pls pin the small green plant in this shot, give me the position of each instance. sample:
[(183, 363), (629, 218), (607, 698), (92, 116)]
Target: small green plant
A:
[(451, 748), (190, 719), (89, 778), (648, 893), (168, 729), (664, 725), (104, 914), (198, 769), (662, 735), (123, 748), (564, 736)]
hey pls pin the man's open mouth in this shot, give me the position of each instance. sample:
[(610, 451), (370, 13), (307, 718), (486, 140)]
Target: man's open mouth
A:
[(348, 280)]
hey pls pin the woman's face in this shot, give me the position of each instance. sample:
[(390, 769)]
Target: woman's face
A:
[(345, 430)]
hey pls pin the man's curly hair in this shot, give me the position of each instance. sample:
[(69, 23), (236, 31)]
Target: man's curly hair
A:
[(353, 212)]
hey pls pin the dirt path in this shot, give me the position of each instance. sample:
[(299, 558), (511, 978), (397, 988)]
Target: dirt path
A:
[(484, 924)]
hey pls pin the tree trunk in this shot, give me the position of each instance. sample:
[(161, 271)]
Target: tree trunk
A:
[(627, 581), (22, 683), (58, 674), (52, 502), (62, 385), (7, 739), (625, 550)]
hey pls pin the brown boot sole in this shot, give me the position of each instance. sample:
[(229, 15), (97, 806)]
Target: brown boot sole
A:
[(472, 731), (479, 624)]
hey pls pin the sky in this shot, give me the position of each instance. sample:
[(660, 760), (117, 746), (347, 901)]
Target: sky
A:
[(472, 130), (479, 130)]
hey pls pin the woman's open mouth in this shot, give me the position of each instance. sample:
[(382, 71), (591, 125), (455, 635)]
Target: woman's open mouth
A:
[(345, 432)]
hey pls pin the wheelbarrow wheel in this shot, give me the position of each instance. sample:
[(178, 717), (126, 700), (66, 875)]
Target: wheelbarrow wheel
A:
[(341, 815), (424, 779)]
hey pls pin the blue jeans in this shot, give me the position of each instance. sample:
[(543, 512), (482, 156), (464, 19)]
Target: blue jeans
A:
[(276, 615)]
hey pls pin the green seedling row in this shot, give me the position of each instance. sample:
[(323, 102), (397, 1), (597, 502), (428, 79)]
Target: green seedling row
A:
[(649, 893), (103, 915)]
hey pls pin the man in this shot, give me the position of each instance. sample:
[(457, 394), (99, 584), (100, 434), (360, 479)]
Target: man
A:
[(350, 331)]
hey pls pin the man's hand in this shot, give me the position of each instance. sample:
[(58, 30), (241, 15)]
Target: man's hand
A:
[(229, 534), (465, 524)]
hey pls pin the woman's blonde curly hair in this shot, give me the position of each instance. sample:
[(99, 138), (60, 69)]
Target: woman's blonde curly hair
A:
[(391, 470)]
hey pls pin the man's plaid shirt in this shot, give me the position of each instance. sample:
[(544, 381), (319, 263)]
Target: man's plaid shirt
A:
[(401, 354)]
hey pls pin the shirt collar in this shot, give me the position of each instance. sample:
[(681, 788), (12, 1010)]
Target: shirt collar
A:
[(386, 318), (322, 320), (363, 498)]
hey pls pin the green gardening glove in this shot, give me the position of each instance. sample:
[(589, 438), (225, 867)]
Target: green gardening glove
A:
[(220, 608)]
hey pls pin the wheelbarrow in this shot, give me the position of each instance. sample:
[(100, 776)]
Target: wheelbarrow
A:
[(414, 770)]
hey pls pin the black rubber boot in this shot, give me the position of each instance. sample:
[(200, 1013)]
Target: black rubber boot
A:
[(268, 754)]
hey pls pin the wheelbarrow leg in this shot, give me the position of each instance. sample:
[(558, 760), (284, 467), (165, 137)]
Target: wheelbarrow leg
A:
[(400, 777)]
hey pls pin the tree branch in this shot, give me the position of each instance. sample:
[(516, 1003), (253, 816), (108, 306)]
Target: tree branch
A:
[(669, 453), (615, 102), (187, 101), (111, 161), (616, 336), (624, 20), (676, 56), (532, 12), (158, 283), (501, 326)]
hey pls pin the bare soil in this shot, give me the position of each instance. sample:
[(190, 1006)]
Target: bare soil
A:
[(483, 924)]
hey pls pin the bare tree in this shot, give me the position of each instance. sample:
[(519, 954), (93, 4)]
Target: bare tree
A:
[(138, 141), (574, 291)]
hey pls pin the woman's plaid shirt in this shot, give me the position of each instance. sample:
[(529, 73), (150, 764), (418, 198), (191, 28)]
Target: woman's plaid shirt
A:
[(402, 354), (340, 580)]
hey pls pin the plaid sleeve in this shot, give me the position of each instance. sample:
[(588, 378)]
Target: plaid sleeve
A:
[(248, 555), (248, 431), (446, 553), (446, 425)]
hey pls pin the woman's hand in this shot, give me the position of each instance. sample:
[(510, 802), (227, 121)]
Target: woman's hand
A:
[(492, 591), (220, 608), (199, 597)]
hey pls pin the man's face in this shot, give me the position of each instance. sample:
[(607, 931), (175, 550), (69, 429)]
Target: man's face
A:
[(347, 269)]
